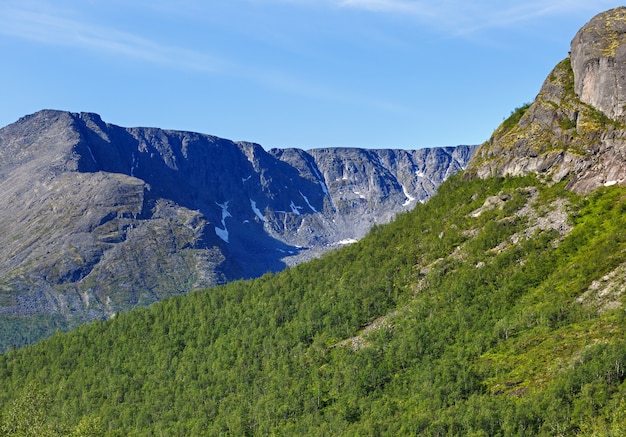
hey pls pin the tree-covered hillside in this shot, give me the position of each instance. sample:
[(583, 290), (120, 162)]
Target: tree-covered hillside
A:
[(493, 309)]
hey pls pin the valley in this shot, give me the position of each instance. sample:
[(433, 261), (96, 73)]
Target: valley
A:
[(494, 308)]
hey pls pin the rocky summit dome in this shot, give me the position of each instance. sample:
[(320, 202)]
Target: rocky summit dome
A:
[(575, 129), (598, 56)]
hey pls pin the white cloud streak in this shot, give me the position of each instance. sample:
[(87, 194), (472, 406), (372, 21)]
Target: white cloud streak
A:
[(57, 30), (395, 6), (466, 16), (461, 17), (57, 27), (65, 30)]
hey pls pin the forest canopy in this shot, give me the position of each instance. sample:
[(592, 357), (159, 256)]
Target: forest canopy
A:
[(493, 309)]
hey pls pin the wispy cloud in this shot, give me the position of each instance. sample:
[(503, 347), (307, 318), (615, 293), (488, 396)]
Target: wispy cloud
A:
[(395, 6), (465, 16), (68, 29), (460, 17), (54, 29)]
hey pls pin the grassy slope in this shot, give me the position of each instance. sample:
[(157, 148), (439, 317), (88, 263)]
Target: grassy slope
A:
[(481, 335)]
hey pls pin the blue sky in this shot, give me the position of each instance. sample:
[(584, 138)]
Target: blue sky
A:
[(288, 73)]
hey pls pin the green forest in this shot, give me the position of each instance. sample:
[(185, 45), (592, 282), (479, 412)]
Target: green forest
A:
[(494, 309)]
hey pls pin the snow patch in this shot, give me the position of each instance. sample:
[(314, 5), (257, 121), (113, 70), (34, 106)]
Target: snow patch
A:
[(610, 183), (225, 213), (256, 211), (307, 202), (294, 208), (223, 233), (347, 241), (320, 180), (358, 193), (323, 185), (409, 198)]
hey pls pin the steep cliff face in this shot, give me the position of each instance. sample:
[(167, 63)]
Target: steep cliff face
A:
[(81, 236), (574, 128), (97, 218), (598, 52), (363, 187)]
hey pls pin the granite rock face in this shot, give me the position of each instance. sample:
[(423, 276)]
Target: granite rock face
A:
[(598, 56), (97, 218), (574, 129)]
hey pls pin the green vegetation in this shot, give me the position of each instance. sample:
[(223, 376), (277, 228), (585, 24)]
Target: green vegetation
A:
[(515, 117), (556, 122), (16, 330), (479, 332)]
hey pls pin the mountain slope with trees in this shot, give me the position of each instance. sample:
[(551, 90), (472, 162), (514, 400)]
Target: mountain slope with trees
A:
[(494, 309), (97, 219), (479, 327)]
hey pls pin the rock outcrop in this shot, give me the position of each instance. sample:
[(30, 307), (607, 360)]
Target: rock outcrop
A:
[(598, 56), (97, 218), (574, 128)]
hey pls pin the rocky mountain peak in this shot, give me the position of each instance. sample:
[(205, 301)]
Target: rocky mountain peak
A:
[(598, 56), (98, 218), (575, 128)]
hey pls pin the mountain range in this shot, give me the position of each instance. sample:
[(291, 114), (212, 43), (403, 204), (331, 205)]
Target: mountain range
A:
[(97, 218), (496, 308)]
